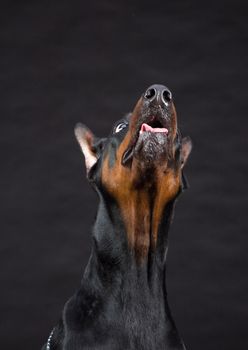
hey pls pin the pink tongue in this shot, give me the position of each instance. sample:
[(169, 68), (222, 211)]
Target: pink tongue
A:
[(146, 127)]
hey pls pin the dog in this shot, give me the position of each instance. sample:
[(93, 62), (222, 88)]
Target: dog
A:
[(137, 173)]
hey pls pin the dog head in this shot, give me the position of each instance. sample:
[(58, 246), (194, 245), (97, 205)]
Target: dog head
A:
[(142, 144)]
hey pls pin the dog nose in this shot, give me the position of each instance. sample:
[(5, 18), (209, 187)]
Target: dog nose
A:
[(158, 94)]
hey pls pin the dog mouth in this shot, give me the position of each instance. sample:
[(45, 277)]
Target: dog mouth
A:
[(154, 128), (150, 139)]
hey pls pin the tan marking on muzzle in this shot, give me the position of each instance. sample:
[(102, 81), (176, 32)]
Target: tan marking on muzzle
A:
[(141, 221)]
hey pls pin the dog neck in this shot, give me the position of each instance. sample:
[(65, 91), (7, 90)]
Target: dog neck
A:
[(117, 264), (131, 293)]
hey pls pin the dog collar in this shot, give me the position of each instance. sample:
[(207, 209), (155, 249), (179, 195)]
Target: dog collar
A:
[(48, 345)]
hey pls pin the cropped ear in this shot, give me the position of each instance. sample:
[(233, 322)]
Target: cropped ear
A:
[(86, 141), (186, 149)]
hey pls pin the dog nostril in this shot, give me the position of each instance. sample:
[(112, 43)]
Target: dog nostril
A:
[(166, 96), (150, 94)]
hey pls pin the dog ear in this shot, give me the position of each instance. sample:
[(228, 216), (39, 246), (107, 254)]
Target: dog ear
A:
[(186, 149), (185, 152), (86, 140)]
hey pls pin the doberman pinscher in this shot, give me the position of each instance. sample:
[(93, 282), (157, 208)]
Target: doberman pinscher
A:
[(138, 173)]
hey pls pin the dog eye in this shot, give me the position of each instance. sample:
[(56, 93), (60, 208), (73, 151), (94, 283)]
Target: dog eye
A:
[(119, 127)]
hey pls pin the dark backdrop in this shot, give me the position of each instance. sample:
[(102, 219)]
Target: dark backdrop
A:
[(69, 61)]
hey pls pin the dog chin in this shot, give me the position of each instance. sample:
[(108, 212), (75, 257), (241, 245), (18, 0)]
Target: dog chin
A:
[(151, 148)]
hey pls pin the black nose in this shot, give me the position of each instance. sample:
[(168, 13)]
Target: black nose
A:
[(158, 94)]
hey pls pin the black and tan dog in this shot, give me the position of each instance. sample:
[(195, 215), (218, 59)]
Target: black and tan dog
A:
[(137, 173)]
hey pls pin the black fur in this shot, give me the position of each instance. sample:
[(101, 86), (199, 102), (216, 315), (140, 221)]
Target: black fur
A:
[(120, 305)]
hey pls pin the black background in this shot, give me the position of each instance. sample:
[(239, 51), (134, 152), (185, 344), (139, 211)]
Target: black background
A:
[(89, 61)]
